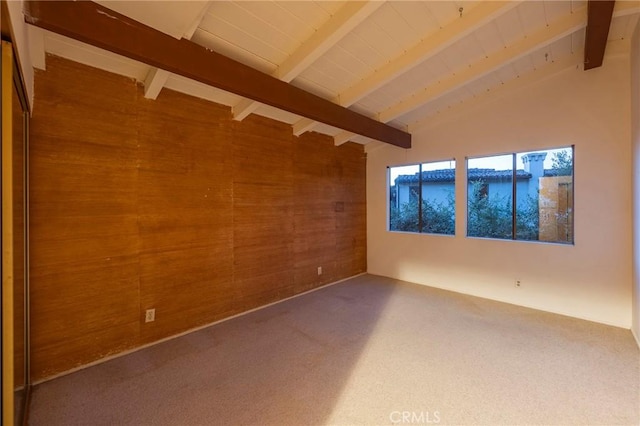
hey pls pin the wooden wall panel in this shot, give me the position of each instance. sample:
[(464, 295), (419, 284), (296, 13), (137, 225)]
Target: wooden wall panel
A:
[(170, 204), (185, 213), (84, 246), (351, 224), (262, 209), (314, 211)]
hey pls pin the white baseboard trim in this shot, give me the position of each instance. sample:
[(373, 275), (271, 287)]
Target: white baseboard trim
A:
[(507, 301), (191, 330), (635, 336)]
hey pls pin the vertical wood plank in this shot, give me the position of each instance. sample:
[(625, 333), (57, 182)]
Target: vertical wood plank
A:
[(314, 214), (351, 224), (7, 236), (185, 213), (18, 241), (262, 210), (84, 233)]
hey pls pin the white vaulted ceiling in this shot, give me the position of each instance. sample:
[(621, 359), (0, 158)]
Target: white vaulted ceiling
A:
[(399, 62)]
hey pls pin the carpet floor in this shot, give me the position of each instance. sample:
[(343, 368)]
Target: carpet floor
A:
[(367, 351)]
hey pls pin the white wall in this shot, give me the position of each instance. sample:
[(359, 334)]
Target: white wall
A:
[(635, 136), (591, 280)]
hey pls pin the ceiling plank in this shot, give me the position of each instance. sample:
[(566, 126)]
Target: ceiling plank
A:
[(91, 23), (547, 35), (174, 18), (352, 14), (598, 23), (427, 48), (468, 106), (430, 46), (625, 8), (191, 29), (157, 78), (345, 19)]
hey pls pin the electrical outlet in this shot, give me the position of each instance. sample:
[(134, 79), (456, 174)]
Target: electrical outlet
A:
[(319, 270), (150, 315), (518, 283)]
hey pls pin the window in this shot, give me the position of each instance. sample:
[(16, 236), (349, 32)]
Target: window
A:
[(422, 198), (521, 196), (490, 197)]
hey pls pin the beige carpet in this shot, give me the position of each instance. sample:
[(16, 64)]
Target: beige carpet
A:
[(368, 351)]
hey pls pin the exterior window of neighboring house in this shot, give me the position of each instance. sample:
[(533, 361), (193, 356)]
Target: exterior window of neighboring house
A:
[(422, 198), (522, 196)]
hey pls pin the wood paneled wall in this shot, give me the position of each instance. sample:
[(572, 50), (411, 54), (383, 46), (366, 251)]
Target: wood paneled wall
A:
[(170, 204)]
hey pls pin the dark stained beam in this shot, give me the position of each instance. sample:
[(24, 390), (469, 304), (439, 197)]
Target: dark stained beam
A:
[(600, 13), (93, 24), (5, 25)]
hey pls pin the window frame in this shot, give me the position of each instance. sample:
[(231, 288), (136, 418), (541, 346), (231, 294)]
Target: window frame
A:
[(514, 206), (420, 200)]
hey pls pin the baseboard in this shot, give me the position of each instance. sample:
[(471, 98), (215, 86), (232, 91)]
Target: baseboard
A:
[(191, 330), (635, 336), (510, 302)]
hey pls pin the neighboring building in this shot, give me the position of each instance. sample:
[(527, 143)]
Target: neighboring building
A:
[(555, 205), (437, 185), (553, 191)]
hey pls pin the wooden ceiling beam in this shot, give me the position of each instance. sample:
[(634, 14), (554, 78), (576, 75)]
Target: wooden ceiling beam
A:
[(429, 46), (93, 24), (538, 74), (154, 82), (157, 78), (303, 125), (243, 108), (599, 17), (342, 138), (352, 14), (560, 28), (471, 105)]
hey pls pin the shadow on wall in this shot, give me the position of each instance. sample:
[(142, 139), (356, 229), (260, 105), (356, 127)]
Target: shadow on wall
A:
[(260, 368)]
